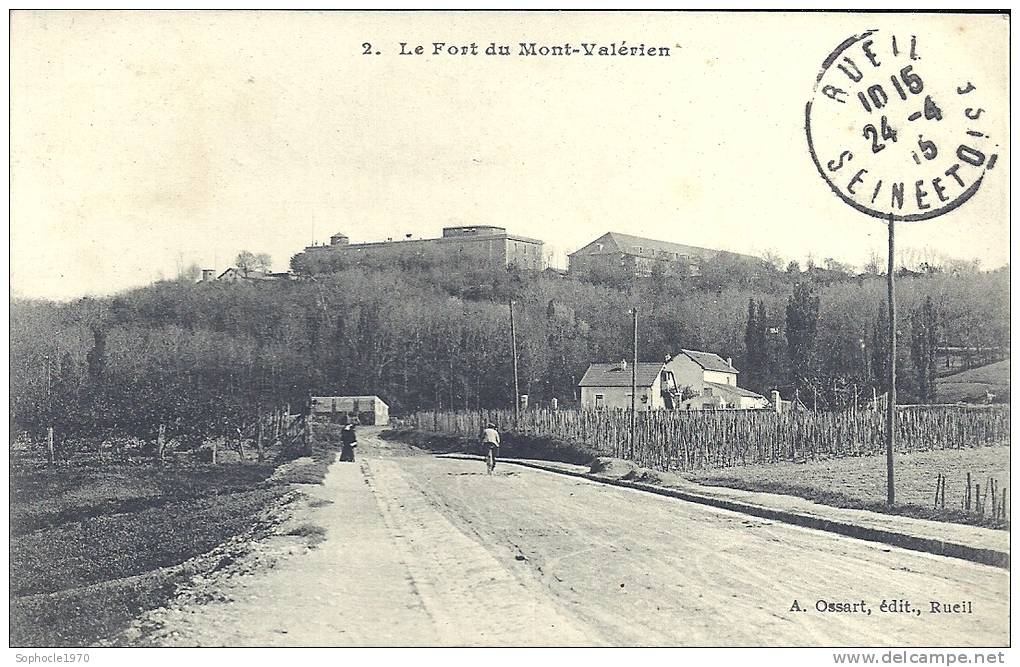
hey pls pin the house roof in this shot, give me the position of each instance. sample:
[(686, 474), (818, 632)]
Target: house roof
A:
[(254, 275), (619, 375), (733, 390), (710, 361), (627, 244)]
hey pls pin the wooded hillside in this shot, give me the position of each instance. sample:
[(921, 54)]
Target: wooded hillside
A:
[(424, 336)]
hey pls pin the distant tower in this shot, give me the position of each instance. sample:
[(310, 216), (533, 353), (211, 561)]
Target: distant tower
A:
[(339, 239)]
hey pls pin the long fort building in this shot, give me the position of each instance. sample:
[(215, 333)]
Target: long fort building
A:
[(480, 244)]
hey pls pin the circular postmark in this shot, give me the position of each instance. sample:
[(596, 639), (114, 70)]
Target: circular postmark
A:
[(897, 130)]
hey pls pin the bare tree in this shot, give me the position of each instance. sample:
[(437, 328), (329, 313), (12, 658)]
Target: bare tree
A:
[(247, 262), (874, 264), (773, 258)]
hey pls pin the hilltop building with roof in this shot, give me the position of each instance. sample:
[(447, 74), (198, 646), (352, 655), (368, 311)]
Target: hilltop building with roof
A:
[(691, 380), (476, 244), (642, 256), (237, 275)]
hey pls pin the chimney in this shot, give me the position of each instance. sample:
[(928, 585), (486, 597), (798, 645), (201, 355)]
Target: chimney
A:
[(729, 361), (208, 274)]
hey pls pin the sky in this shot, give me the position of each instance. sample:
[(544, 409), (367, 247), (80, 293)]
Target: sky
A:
[(141, 142)]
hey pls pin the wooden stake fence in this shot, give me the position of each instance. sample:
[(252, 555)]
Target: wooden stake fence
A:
[(704, 439)]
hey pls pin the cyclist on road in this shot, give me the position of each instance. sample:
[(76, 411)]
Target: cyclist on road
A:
[(490, 441)]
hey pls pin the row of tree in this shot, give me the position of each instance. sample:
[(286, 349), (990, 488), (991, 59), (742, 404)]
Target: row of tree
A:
[(808, 373), (201, 357)]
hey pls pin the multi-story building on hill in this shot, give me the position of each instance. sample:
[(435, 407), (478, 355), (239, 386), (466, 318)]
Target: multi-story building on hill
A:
[(641, 256), (478, 244)]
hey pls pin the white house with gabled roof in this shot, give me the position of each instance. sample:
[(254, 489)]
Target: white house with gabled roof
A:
[(706, 381)]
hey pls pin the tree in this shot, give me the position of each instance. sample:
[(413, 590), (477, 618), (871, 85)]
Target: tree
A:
[(836, 266), (773, 259), (96, 356), (801, 328), (873, 267), (755, 344), (189, 273), (750, 376), (761, 342), (248, 262), (923, 344)]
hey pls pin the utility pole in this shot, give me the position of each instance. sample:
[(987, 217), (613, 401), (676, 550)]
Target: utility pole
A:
[(513, 344), (50, 457), (633, 390), (890, 414)]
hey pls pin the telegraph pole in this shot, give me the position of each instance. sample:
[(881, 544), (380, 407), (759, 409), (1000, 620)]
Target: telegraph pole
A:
[(890, 415), (633, 390), (513, 344), (50, 457)]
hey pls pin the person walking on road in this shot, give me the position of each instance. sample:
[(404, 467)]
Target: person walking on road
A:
[(349, 440), (490, 441)]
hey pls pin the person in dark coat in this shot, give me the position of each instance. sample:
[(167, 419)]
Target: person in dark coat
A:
[(349, 440)]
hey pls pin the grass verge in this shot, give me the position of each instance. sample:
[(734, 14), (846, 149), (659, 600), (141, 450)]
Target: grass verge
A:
[(859, 482)]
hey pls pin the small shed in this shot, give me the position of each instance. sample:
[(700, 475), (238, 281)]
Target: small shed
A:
[(343, 409)]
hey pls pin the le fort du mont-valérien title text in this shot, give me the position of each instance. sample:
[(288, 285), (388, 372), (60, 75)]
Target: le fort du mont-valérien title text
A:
[(519, 49)]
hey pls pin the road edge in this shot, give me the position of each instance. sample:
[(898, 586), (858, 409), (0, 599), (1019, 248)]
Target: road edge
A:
[(929, 545)]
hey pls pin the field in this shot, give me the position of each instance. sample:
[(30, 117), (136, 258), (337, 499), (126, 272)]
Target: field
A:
[(859, 482), (94, 545), (972, 385)]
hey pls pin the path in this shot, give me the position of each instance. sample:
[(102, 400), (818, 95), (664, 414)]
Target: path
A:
[(421, 551)]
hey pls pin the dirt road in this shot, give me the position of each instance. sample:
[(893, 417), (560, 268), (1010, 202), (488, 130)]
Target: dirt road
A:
[(426, 551)]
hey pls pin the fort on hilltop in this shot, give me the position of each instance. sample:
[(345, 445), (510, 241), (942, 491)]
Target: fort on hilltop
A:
[(478, 244)]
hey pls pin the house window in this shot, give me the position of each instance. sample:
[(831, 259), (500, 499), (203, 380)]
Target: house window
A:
[(600, 400), (708, 391)]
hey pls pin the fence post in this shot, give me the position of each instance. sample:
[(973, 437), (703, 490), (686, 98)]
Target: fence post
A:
[(49, 445)]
